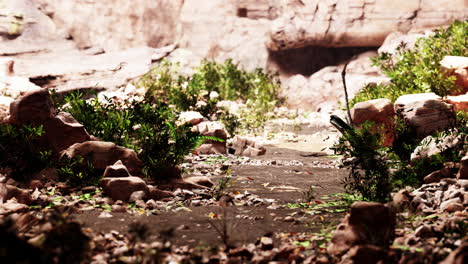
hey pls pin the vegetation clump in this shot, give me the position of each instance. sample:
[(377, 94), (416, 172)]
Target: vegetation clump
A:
[(147, 126), (213, 82), (418, 70)]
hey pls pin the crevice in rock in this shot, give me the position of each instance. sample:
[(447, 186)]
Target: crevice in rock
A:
[(309, 60)]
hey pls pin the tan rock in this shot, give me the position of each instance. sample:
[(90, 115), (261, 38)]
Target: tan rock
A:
[(63, 130), (157, 194), (212, 129), (192, 117), (244, 146), (426, 113), (102, 154), (122, 188), (12, 206), (431, 146), (20, 195), (117, 170), (32, 108), (212, 148)]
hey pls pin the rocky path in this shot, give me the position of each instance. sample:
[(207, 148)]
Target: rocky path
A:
[(265, 186)]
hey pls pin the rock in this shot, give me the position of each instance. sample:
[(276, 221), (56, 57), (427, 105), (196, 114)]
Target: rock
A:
[(117, 24), (8, 192), (459, 102), (424, 231), (365, 254), (47, 175), (12, 206), (378, 111), (157, 194), (445, 204), (136, 196), (426, 113), (117, 170), (438, 175), (463, 172), (402, 199), (102, 154), (63, 130), (367, 223), (212, 129), (394, 39), (244, 146), (33, 108), (454, 207), (342, 23), (212, 148), (457, 66), (266, 243), (458, 256), (430, 146), (192, 117), (200, 180), (122, 188)]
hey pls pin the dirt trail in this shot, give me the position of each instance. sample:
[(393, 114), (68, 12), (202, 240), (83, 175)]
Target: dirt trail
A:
[(245, 224)]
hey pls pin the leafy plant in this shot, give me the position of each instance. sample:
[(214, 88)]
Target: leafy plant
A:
[(78, 171), (213, 82), (21, 150), (418, 70), (148, 126)]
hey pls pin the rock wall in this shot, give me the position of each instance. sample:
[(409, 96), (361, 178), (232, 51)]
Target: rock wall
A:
[(116, 24), (343, 23)]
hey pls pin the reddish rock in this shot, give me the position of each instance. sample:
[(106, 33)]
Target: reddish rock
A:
[(426, 113), (438, 175), (122, 188), (459, 102), (378, 111), (457, 66), (102, 154), (367, 223), (463, 172), (63, 130), (402, 199), (116, 171), (454, 207), (33, 108)]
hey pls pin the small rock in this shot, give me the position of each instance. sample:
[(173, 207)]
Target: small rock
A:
[(200, 180), (122, 188), (444, 205), (117, 170), (454, 207), (266, 243), (138, 195), (438, 175), (34, 107), (463, 172)]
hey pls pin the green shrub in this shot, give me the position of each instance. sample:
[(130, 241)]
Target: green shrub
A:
[(21, 150), (257, 89), (368, 169), (147, 126), (418, 70)]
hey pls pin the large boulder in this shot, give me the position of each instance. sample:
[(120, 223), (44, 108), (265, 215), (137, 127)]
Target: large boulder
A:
[(341, 23), (63, 130), (367, 224), (459, 102), (33, 108), (121, 188), (426, 113), (102, 154)]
